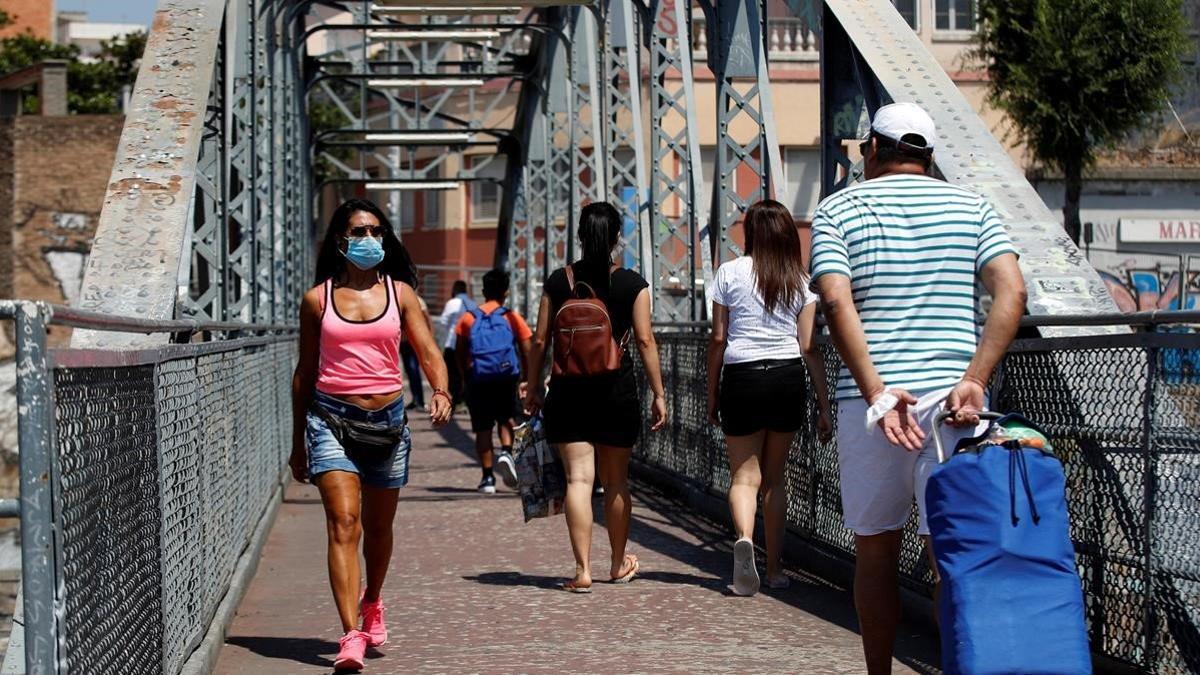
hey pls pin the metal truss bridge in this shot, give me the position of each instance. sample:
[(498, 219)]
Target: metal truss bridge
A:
[(153, 450)]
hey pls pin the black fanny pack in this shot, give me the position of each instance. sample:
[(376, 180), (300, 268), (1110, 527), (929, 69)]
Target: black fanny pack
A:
[(371, 441)]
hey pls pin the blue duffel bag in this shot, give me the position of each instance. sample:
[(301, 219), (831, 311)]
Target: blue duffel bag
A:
[(1010, 600)]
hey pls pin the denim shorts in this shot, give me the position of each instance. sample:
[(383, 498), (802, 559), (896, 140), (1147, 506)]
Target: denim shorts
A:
[(325, 453)]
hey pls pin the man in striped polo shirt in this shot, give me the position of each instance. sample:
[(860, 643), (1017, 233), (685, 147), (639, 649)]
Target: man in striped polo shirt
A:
[(895, 260)]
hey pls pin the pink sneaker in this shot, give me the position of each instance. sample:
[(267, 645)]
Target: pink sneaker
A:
[(352, 649), (372, 621)]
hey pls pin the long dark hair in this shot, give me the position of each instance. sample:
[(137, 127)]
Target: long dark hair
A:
[(773, 244), (599, 230), (397, 264)]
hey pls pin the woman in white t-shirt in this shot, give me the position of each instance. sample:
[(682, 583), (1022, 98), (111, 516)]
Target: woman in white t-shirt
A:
[(762, 336)]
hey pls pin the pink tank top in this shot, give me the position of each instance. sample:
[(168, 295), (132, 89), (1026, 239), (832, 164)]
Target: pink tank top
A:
[(360, 357)]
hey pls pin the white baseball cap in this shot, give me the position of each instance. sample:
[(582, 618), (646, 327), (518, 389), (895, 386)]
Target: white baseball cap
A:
[(899, 122)]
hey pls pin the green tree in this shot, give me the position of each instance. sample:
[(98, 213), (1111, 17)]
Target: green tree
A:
[(95, 87), (1079, 76), (92, 87)]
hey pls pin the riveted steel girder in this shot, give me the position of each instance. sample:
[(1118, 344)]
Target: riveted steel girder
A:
[(677, 214), (870, 55)]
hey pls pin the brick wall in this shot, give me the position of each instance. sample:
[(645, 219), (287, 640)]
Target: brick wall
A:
[(52, 187), (33, 16)]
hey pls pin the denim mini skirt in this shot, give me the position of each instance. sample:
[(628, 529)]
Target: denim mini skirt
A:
[(326, 454)]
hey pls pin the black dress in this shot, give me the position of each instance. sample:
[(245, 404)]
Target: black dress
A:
[(599, 410)]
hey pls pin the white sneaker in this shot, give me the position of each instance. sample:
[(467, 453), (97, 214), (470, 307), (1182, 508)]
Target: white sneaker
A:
[(745, 574), (506, 468)]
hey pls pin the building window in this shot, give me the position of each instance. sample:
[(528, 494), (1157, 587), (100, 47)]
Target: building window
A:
[(485, 200), (408, 210), (957, 15), (908, 10), (486, 190), (431, 208), (802, 169)]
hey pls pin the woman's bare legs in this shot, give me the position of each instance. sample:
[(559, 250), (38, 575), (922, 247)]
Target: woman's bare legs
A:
[(614, 476), (579, 462), (744, 465), (341, 496), (378, 512), (774, 490)]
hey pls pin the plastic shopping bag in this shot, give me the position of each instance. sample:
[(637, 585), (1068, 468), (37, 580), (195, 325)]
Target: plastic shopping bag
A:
[(540, 475)]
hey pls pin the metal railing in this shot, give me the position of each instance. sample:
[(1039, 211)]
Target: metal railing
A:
[(144, 473), (1122, 410)]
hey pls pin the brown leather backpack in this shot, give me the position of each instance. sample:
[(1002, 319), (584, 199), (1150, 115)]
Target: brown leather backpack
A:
[(583, 340)]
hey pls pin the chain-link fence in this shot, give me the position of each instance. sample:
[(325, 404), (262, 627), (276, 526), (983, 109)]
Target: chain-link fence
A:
[(1124, 413), (145, 475)]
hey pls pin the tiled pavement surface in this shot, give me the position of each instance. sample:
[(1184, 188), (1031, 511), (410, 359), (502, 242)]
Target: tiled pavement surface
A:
[(473, 589)]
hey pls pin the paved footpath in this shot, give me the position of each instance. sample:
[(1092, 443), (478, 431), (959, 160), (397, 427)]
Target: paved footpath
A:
[(473, 589)]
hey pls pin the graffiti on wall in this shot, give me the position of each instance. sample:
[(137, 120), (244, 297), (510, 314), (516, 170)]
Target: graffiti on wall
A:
[(1145, 289)]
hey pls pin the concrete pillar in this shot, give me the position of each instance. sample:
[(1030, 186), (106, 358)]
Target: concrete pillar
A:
[(52, 90)]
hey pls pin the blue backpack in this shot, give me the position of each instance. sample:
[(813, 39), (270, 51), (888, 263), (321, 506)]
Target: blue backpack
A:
[(493, 352)]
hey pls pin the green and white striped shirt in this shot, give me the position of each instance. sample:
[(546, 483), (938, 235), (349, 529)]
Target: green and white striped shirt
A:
[(912, 247)]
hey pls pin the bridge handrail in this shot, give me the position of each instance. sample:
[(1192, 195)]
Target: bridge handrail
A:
[(1156, 317), (188, 443), (1123, 413), (62, 315)]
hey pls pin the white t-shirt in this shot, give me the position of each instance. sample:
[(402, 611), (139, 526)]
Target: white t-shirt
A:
[(451, 313), (754, 334)]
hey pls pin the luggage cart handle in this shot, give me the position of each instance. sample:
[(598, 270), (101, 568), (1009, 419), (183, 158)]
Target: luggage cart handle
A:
[(942, 417)]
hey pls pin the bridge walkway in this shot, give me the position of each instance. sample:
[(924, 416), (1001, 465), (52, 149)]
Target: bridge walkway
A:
[(473, 589)]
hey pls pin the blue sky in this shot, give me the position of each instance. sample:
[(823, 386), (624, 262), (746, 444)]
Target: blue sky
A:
[(112, 11)]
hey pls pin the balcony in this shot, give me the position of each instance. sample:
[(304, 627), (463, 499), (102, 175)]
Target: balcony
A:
[(788, 39)]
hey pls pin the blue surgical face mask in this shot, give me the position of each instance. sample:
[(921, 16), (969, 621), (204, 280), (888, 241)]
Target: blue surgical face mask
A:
[(364, 252)]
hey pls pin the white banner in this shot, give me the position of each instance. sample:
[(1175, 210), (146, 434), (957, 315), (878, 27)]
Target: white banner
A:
[(1160, 231)]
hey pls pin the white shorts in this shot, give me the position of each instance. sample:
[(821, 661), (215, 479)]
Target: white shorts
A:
[(878, 479)]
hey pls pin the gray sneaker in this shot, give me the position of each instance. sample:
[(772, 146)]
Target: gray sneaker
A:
[(745, 574), (506, 468)]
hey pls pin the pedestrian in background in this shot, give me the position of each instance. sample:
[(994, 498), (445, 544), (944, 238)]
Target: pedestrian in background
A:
[(460, 303), (412, 364), (594, 307), (896, 260), (493, 351), (762, 337)]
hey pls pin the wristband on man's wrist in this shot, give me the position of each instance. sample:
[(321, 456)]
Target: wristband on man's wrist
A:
[(444, 393)]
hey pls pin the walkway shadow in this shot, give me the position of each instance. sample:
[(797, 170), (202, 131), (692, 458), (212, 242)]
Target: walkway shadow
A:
[(433, 499), (447, 489), (516, 579), (300, 650), (713, 553), (458, 436), (683, 579)]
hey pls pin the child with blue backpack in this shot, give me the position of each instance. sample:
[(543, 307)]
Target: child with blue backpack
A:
[(492, 351)]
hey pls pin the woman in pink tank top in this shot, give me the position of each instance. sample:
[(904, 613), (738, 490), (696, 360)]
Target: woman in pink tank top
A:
[(350, 433)]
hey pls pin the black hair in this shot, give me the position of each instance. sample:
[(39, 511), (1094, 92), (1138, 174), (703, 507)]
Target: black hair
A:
[(599, 231), (459, 286), (911, 148), (495, 285), (331, 263)]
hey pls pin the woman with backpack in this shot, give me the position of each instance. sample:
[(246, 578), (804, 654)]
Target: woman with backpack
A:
[(592, 413), (762, 337), (350, 433)]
